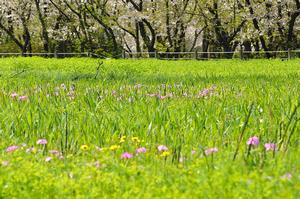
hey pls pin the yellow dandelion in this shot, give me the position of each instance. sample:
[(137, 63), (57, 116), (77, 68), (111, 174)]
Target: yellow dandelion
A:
[(114, 147), (122, 139), (84, 147), (135, 139), (165, 154)]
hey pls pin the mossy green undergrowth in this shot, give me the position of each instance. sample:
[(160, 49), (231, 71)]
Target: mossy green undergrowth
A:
[(149, 128)]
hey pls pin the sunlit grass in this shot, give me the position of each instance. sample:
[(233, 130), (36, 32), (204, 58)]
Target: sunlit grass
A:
[(95, 116)]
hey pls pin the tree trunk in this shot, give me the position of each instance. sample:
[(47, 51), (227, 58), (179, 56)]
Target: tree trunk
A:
[(45, 36)]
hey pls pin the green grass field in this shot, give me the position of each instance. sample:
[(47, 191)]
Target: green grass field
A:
[(149, 128)]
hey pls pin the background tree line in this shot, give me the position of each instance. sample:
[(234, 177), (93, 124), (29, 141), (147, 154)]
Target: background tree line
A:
[(110, 27)]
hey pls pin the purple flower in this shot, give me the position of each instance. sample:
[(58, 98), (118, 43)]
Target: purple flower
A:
[(97, 164), (211, 151), (141, 150), (270, 147), (162, 148), (14, 95), (126, 155), (23, 98), (193, 152), (254, 141), (48, 159), (11, 149), (162, 97), (287, 176), (206, 92), (42, 142), (54, 152)]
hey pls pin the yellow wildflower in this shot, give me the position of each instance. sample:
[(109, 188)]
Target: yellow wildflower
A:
[(114, 147), (84, 147), (123, 139), (165, 154), (135, 139)]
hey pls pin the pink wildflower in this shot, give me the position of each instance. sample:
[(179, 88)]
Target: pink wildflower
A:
[(254, 141), (162, 148), (287, 176), (42, 142), (126, 155), (48, 159), (54, 152), (206, 92), (14, 95), (11, 149), (211, 151), (162, 97), (97, 164), (193, 152), (23, 98), (141, 150), (270, 147)]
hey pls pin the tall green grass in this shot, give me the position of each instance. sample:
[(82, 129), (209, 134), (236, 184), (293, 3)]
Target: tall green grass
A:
[(76, 102)]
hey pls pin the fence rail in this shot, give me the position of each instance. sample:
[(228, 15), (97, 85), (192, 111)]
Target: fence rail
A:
[(54, 55), (288, 54)]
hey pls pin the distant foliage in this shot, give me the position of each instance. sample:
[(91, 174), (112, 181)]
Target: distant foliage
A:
[(110, 27)]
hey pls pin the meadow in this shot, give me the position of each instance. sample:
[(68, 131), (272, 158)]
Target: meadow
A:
[(88, 128)]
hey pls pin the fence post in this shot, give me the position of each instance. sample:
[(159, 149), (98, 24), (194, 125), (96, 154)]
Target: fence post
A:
[(241, 52), (289, 54), (155, 54), (196, 54), (123, 54)]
